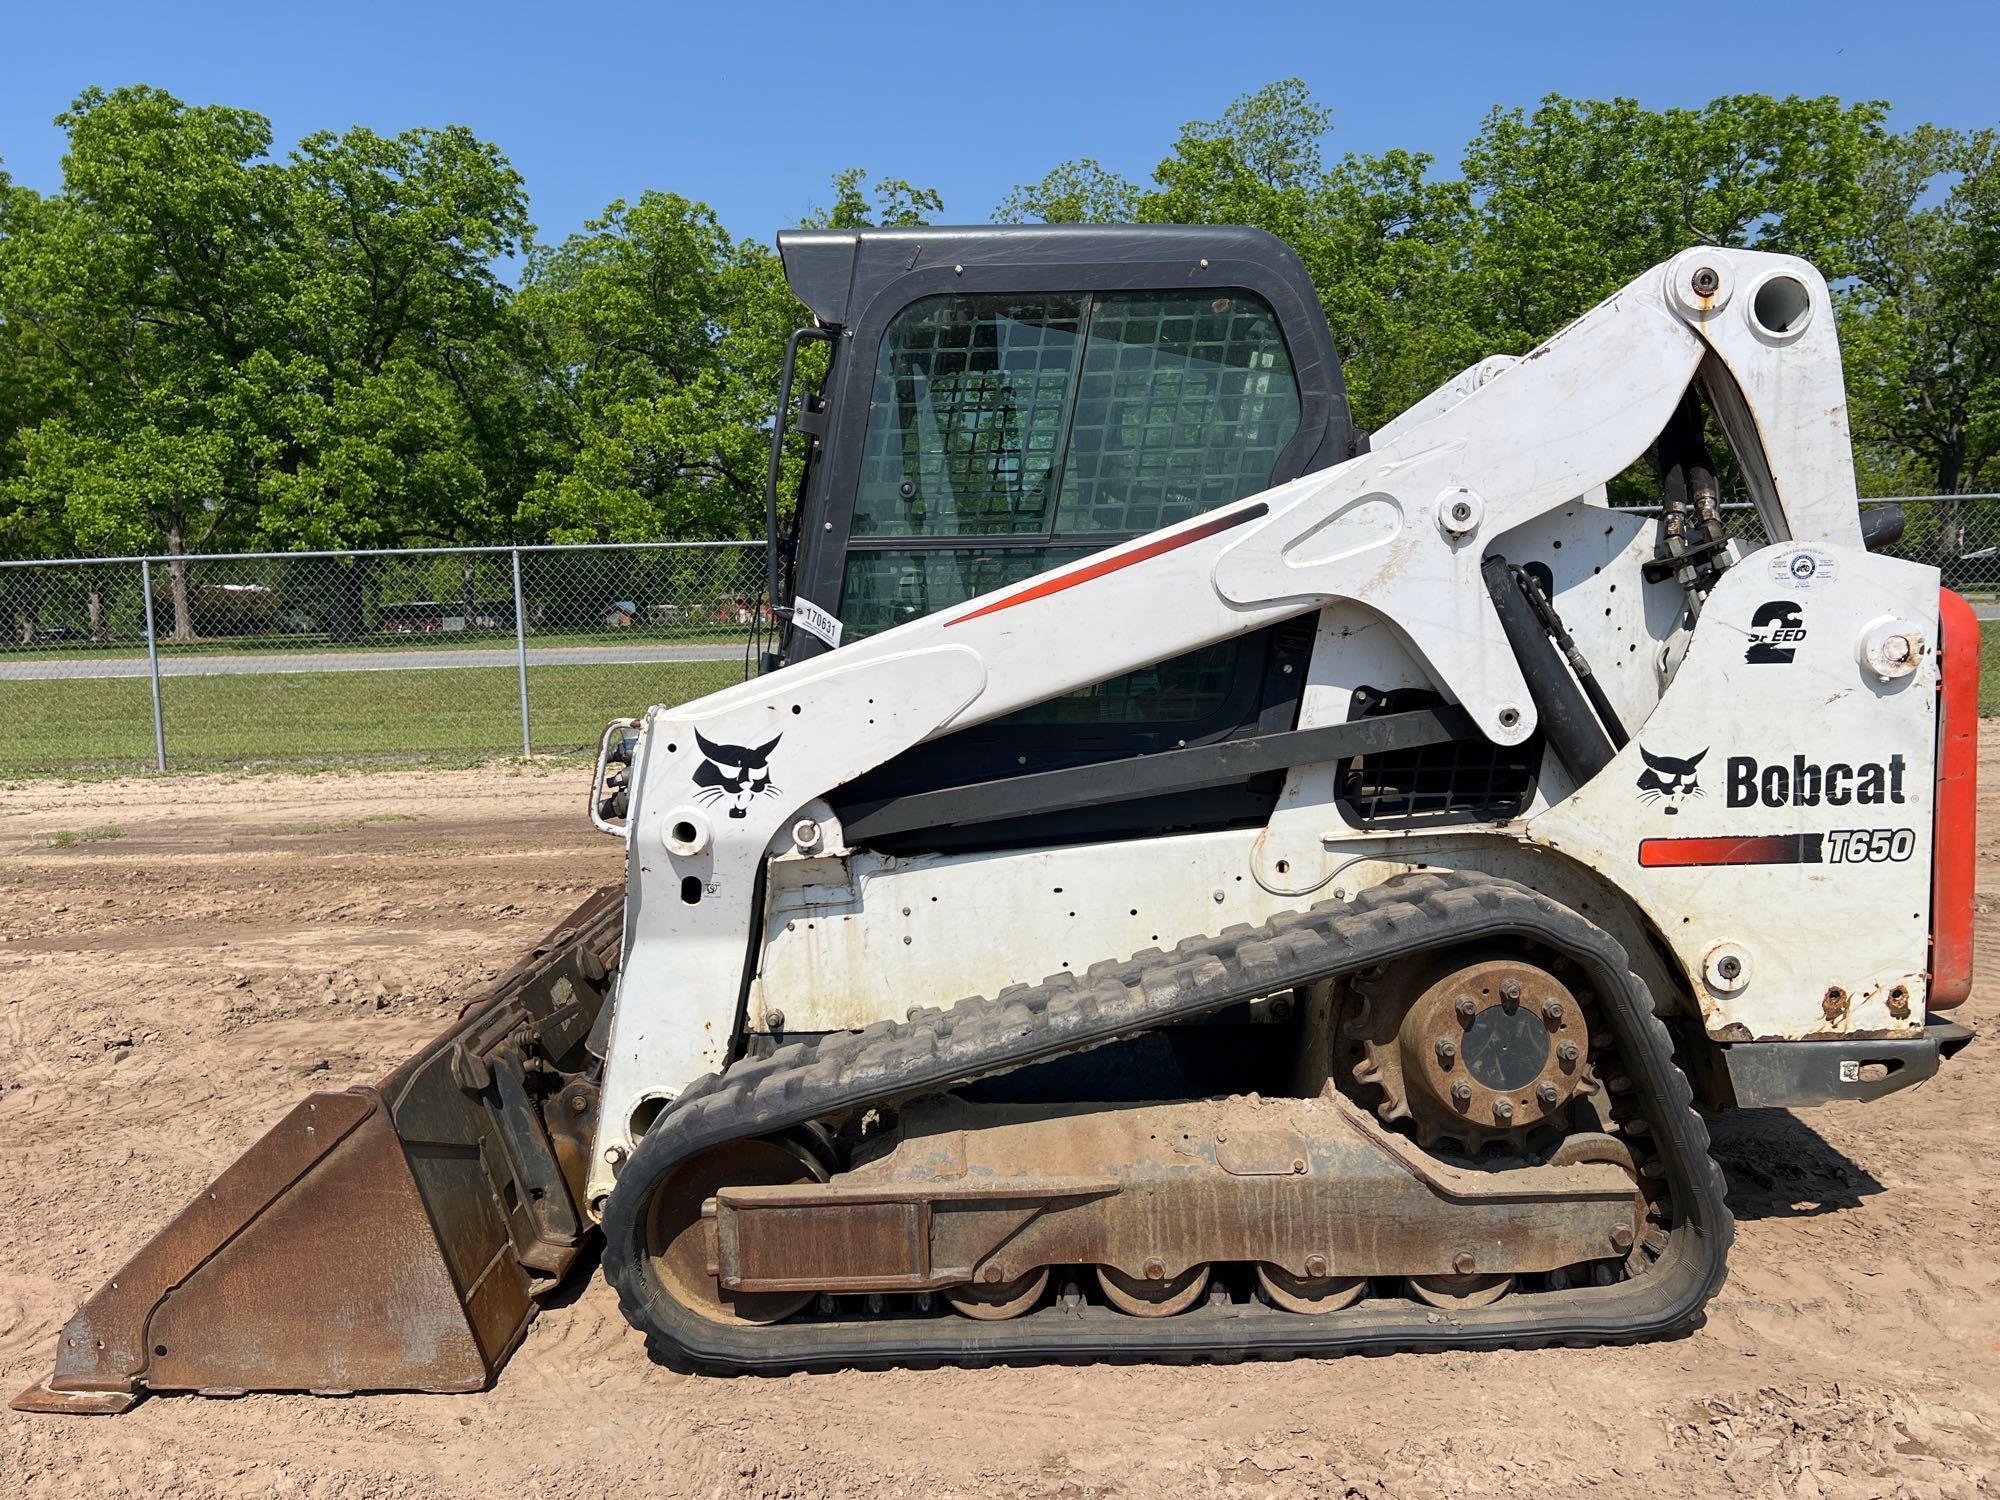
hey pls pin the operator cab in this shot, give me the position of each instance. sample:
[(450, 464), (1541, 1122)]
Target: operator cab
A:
[(1003, 400)]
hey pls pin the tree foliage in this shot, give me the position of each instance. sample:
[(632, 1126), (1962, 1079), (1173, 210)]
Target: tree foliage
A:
[(657, 340), (1423, 273), (1921, 318), (233, 349), (894, 204), (203, 346), (1578, 196)]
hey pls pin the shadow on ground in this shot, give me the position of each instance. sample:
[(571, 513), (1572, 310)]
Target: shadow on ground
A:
[(1779, 1167)]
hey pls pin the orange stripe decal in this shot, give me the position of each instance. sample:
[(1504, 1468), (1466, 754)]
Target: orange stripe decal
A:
[(1753, 849), (1094, 568)]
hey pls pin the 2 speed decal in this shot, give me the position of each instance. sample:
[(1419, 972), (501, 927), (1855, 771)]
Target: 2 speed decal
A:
[(1776, 632)]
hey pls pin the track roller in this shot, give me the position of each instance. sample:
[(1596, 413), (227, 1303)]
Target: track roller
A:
[(1150, 1297), (1473, 1290), (994, 1304), (1309, 1294)]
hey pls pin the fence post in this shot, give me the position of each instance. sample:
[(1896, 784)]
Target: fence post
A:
[(153, 666), (521, 652)]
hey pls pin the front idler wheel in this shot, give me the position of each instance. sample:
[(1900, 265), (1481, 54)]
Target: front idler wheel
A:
[(677, 1235)]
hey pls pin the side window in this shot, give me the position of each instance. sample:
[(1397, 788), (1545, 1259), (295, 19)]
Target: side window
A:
[(1039, 427), (1049, 414), (892, 586), (1184, 403), (966, 417)]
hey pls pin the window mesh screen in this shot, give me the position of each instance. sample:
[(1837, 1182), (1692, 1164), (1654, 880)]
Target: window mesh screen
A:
[(885, 588), (966, 418), (1184, 403), (1157, 406), (1009, 419)]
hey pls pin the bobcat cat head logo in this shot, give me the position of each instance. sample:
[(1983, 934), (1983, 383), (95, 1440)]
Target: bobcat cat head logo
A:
[(1669, 778), (735, 772)]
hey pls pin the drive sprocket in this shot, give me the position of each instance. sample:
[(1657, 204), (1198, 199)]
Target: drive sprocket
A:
[(1467, 1050)]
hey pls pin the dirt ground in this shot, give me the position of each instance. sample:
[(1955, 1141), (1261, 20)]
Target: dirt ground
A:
[(170, 991)]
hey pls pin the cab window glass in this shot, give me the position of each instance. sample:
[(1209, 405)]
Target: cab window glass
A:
[(887, 587), (1184, 402), (1049, 414), (1012, 420), (966, 417)]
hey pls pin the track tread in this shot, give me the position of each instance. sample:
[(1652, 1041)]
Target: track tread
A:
[(937, 1048)]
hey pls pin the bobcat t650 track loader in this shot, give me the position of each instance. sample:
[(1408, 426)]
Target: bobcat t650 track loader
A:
[(1198, 881)]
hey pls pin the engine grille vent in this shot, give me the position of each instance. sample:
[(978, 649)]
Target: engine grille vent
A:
[(1462, 781)]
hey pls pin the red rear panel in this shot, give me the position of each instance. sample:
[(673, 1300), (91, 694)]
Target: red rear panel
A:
[(1955, 845)]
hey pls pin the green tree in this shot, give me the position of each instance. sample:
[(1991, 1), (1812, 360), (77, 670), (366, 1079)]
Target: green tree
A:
[(394, 411), (1576, 197), (1920, 320), (1073, 192), (659, 339), (312, 353), (386, 401), (141, 290), (895, 204), (26, 396)]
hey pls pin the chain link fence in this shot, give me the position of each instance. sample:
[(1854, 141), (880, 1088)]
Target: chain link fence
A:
[(1957, 534), (206, 662), (448, 655)]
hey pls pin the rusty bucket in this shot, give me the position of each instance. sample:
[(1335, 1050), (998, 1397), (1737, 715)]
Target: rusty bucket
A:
[(393, 1237)]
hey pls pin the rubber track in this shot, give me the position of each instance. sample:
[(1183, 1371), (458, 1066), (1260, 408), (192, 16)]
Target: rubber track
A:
[(938, 1049)]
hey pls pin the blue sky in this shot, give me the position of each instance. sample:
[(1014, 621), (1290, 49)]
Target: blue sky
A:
[(752, 107)]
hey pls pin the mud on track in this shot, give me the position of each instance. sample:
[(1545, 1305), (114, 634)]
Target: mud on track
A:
[(166, 994)]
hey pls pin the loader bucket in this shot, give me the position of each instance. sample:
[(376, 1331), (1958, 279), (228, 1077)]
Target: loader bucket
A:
[(393, 1237)]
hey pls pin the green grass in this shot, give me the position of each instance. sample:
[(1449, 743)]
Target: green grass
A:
[(349, 825), (1989, 668), (455, 714), (324, 645), (67, 838)]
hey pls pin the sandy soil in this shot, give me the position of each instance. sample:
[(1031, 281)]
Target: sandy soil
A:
[(168, 993)]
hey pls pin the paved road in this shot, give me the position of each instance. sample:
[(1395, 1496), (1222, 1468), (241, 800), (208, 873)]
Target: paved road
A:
[(250, 663)]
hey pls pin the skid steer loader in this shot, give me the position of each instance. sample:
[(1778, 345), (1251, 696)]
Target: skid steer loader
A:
[(1197, 881)]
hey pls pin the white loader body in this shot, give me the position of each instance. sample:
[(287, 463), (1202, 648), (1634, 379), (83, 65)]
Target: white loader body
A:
[(1783, 872)]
